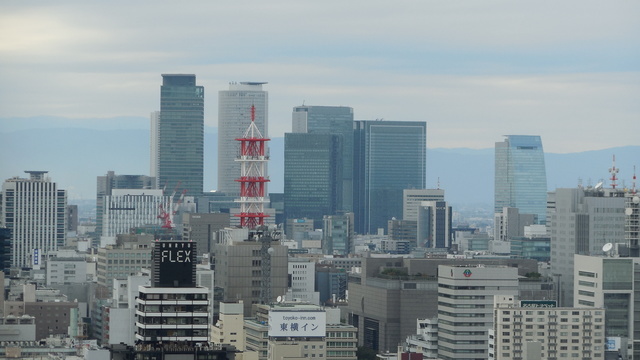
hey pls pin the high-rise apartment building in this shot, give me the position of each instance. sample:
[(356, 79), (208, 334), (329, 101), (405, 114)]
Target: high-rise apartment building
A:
[(110, 181), (582, 221), (34, 210), (520, 176), (234, 117), (312, 176), (335, 120), (177, 135), (389, 156)]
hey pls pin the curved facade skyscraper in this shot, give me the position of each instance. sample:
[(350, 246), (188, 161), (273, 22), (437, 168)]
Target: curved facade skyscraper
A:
[(520, 176)]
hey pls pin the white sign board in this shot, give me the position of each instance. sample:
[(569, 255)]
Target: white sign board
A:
[(297, 323), (612, 344)]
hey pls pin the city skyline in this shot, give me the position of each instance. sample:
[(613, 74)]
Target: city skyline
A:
[(474, 72)]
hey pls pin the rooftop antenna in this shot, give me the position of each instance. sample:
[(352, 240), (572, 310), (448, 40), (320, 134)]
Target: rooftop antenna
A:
[(438, 182), (613, 171)]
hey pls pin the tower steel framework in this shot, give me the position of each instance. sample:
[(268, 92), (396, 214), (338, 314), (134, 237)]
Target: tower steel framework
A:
[(253, 159)]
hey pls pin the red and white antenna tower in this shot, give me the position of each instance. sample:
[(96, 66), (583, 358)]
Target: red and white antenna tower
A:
[(253, 177), (633, 185), (613, 171)]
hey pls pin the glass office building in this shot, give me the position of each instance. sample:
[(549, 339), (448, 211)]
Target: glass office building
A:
[(312, 176), (336, 120), (520, 176), (389, 156), (179, 135)]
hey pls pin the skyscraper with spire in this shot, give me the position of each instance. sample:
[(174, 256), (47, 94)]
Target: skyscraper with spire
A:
[(234, 117)]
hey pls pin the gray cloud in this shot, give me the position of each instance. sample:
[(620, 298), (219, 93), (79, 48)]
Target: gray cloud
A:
[(472, 70)]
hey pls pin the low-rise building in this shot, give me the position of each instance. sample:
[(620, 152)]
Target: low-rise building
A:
[(530, 330)]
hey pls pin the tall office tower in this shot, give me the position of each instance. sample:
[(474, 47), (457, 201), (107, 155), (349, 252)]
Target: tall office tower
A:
[(312, 173), (234, 110), (389, 156), (177, 135), (34, 210), (434, 224), (337, 234), (111, 181), (475, 287), (412, 198), (125, 209), (520, 176), (336, 120), (582, 221)]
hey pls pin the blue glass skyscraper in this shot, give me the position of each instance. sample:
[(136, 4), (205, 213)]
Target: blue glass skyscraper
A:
[(312, 181), (335, 120), (389, 156), (520, 176), (179, 135)]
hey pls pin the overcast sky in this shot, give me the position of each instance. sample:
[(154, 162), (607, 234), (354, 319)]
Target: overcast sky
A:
[(474, 70)]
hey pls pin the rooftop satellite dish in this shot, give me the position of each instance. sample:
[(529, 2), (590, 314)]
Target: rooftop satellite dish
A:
[(607, 247), (599, 185), (279, 299), (628, 211)]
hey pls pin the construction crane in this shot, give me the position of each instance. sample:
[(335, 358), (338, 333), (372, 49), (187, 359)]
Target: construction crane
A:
[(166, 215)]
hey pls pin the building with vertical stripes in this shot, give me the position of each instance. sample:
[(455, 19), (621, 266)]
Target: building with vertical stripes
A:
[(34, 210)]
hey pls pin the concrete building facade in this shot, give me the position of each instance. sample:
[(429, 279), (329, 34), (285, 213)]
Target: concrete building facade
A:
[(582, 222), (530, 330), (34, 211)]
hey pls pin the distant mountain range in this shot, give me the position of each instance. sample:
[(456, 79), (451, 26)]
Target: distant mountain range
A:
[(75, 156)]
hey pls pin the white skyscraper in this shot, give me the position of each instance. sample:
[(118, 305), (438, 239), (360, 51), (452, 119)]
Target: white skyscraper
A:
[(234, 117), (34, 210)]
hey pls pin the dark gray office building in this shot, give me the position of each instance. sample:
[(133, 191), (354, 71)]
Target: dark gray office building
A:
[(389, 156), (335, 120), (177, 138), (312, 176)]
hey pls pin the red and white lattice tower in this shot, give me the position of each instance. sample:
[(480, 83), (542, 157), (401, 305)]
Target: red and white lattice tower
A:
[(253, 177), (614, 171)]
